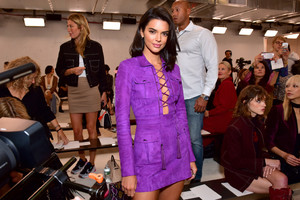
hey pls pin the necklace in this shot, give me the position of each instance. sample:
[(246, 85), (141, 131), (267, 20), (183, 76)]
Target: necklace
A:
[(295, 105)]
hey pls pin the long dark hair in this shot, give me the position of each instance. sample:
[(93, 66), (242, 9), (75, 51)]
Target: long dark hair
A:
[(168, 53), (247, 94), (263, 82)]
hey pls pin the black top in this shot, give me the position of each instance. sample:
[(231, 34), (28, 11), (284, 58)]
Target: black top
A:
[(36, 106), (93, 61), (228, 60)]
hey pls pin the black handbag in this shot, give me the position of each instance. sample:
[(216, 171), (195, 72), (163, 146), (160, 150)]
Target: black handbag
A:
[(107, 120)]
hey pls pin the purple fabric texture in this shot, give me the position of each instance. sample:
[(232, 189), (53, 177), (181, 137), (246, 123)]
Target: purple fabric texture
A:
[(162, 150)]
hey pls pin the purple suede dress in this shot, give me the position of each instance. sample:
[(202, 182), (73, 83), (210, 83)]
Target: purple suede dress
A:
[(162, 150)]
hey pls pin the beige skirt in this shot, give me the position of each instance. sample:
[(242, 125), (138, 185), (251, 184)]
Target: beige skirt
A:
[(83, 99)]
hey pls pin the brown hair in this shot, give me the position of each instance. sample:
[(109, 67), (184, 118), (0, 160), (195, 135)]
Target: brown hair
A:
[(21, 82), (11, 107), (278, 37), (83, 25), (248, 94)]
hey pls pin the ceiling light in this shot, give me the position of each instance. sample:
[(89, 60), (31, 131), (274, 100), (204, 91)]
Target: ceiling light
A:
[(111, 25), (34, 21), (245, 20), (271, 20), (271, 33), (291, 35), (219, 29), (246, 31)]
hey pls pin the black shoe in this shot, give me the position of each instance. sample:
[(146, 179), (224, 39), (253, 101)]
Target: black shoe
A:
[(80, 164), (60, 110), (195, 181), (89, 168)]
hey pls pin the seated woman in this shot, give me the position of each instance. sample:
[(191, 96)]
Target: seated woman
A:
[(218, 118), (242, 156), (283, 130), (28, 91), (261, 76), (49, 85)]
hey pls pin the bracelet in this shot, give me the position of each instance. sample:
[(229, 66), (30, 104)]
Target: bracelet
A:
[(58, 129), (57, 126)]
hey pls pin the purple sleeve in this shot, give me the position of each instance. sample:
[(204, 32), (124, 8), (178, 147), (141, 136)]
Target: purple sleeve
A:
[(123, 94), (182, 116)]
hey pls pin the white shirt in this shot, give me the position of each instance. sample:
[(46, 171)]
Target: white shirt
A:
[(81, 64), (198, 52)]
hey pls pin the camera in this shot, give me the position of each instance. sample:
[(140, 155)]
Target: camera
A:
[(241, 62), (24, 146)]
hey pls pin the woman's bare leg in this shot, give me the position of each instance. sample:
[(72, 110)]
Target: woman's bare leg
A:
[(91, 119), (153, 195), (76, 121), (277, 180), (171, 192)]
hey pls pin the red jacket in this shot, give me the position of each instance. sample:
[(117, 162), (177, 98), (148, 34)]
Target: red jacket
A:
[(241, 161), (224, 102)]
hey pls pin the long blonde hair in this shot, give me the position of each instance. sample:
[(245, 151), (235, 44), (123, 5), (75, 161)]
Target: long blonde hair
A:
[(83, 25), (287, 107), (20, 83), (11, 107)]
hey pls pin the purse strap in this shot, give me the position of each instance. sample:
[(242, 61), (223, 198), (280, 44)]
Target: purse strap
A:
[(112, 159)]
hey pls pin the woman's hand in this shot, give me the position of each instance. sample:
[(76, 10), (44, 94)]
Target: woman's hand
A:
[(62, 136), (75, 70), (273, 163), (257, 59), (206, 113), (291, 159), (268, 170), (104, 98), (129, 185), (193, 169)]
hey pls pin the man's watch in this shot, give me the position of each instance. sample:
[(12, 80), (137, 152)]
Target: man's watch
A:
[(203, 96)]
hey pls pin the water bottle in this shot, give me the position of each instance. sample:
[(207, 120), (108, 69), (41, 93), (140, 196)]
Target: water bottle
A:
[(107, 175)]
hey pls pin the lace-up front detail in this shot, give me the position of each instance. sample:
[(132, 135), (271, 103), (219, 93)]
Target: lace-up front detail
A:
[(164, 89)]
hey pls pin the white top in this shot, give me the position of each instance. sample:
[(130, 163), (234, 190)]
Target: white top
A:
[(81, 64), (198, 52)]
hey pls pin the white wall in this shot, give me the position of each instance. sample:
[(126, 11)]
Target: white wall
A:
[(42, 44)]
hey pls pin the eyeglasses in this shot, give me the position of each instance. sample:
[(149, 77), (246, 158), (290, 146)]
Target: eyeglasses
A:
[(278, 42)]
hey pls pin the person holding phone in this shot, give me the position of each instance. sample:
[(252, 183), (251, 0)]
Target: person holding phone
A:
[(277, 61)]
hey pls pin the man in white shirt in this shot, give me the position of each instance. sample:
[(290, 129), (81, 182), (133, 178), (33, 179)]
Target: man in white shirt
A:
[(198, 63)]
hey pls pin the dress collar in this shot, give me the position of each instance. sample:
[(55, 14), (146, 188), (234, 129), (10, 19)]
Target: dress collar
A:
[(145, 63)]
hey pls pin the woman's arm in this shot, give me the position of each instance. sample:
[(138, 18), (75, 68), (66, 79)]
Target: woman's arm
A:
[(123, 98), (289, 158), (60, 133), (54, 85), (181, 114)]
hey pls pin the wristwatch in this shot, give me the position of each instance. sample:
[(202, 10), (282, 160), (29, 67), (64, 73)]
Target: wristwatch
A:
[(206, 98)]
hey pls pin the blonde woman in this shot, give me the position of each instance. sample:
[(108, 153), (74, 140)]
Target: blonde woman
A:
[(218, 118), (28, 91), (283, 128), (81, 64), (11, 107)]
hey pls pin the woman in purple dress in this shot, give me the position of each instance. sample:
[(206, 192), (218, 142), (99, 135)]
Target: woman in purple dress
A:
[(150, 83)]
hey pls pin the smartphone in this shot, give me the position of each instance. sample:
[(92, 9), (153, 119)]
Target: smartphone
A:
[(285, 45), (267, 55)]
